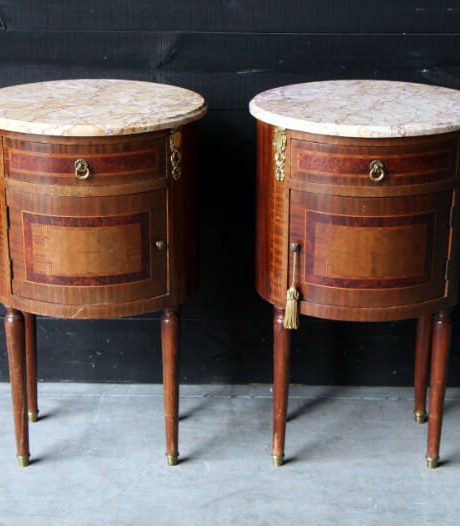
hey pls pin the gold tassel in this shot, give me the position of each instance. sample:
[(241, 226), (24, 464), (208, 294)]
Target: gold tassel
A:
[(291, 314)]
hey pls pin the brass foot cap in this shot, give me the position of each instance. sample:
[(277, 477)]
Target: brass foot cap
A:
[(23, 460), (173, 460), (420, 417), (277, 460), (432, 462), (33, 416)]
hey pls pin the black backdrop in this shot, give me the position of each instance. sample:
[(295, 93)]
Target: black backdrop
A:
[(229, 50)]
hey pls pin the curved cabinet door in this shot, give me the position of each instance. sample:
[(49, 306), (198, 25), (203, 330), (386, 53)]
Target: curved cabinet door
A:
[(88, 251), (367, 252)]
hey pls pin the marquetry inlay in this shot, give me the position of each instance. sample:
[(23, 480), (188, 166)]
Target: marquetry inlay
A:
[(86, 250)]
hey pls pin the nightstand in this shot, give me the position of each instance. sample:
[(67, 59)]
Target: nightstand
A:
[(98, 217), (357, 217)]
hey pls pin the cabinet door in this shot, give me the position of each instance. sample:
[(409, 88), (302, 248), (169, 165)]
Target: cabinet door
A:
[(92, 250), (370, 252)]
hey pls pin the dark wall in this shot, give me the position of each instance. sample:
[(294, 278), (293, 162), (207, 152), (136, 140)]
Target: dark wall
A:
[(229, 50)]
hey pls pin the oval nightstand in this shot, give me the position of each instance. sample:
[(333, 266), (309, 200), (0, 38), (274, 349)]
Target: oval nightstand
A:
[(98, 216), (357, 192)]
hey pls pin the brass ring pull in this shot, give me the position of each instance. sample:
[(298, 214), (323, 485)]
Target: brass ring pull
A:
[(82, 170), (376, 171)]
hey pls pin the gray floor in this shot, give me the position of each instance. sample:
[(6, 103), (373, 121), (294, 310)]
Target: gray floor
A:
[(354, 457)]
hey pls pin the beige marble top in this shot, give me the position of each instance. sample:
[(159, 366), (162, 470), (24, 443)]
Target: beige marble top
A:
[(90, 107), (360, 108)]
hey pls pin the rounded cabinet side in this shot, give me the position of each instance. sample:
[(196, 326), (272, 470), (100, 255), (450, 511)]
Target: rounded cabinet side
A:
[(98, 226), (374, 221)]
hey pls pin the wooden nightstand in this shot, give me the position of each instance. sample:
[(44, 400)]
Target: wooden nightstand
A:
[(98, 217), (357, 216)]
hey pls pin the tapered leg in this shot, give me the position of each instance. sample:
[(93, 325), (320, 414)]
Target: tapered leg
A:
[(31, 361), (439, 360), (422, 357), (15, 342), (170, 349), (281, 351)]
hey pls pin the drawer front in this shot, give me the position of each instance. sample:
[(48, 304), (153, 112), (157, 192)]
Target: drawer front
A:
[(108, 162), (83, 251), (371, 253), (347, 165)]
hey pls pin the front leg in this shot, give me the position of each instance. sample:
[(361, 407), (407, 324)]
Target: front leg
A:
[(170, 322), (281, 356), (440, 355), (422, 358), (31, 362), (15, 342)]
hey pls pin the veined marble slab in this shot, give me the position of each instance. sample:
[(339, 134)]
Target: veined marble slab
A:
[(97, 107), (360, 108)]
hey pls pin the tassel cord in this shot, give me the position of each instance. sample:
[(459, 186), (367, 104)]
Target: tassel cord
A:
[(291, 315)]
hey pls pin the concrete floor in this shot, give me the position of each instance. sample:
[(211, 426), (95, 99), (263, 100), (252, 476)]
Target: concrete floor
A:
[(354, 457)]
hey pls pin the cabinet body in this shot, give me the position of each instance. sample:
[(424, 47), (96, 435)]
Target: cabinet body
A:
[(368, 250), (120, 242), (98, 218)]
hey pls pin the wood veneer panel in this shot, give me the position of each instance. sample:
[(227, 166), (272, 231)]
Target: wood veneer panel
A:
[(182, 218), (95, 227), (272, 216), (5, 282), (359, 252), (367, 252), (90, 250), (110, 162), (345, 165), (86, 250)]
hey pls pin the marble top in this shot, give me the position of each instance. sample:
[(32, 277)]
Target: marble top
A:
[(360, 108), (90, 107)]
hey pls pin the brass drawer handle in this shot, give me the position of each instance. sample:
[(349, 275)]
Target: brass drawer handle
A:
[(82, 170), (376, 171)]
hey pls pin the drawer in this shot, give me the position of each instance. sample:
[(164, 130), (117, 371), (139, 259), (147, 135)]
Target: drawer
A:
[(108, 162), (349, 165)]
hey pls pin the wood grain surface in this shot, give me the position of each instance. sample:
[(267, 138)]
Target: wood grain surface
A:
[(122, 242), (366, 253)]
